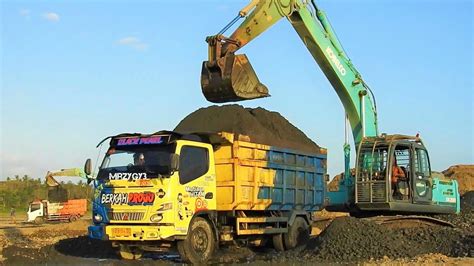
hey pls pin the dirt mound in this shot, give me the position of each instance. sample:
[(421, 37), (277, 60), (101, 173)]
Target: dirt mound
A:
[(333, 185), (464, 174), (425, 259), (465, 219), (57, 194), (351, 239), (262, 126)]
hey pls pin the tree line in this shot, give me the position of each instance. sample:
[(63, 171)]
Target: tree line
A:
[(18, 192)]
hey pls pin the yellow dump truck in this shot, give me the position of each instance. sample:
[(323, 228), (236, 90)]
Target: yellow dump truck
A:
[(197, 191)]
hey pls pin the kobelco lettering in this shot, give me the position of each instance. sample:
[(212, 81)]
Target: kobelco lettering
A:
[(336, 61)]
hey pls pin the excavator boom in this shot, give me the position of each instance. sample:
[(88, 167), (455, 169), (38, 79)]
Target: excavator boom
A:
[(227, 77), (52, 182)]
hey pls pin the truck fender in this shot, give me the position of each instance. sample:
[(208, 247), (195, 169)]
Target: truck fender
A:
[(297, 213)]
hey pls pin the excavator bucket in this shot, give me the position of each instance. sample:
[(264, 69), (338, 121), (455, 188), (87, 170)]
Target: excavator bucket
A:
[(229, 79)]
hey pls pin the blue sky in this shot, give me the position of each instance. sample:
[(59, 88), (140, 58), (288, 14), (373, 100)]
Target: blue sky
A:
[(73, 72)]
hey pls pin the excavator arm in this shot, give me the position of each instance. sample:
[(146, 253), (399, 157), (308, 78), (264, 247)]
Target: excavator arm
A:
[(52, 182), (228, 77)]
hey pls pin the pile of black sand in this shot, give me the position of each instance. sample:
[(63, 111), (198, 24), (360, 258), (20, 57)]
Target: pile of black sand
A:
[(262, 126), (349, 239), (352, 239), (465, 219)]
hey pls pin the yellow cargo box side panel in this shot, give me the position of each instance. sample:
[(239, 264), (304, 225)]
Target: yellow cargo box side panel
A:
[(253, 176)]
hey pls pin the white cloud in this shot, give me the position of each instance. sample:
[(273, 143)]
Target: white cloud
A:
[(51, 16), (133, 42), (129, 41), (24, 12)]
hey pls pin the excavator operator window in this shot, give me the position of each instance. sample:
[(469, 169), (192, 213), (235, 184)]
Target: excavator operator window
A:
[(400, 172), (371, 182), (422, 179), (402, 157), (422, 165), (372, 163)]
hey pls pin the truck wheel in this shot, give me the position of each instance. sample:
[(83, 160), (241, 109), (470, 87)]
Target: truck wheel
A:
[(199, 244), (298, 234), (130, 253), (73, 218), (39, 220), (278, 242)]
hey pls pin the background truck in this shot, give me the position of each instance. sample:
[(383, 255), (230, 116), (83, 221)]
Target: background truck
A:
[(42, 210), (58, 207), (197, 191)]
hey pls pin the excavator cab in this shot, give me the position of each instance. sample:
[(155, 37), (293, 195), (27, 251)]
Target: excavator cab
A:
[(228, 77), (380, 186)]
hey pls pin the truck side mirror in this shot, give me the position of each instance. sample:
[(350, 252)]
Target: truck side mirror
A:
[(174, 162), (88, 167)]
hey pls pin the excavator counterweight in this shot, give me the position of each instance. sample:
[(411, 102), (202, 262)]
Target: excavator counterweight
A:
[(231, 78)]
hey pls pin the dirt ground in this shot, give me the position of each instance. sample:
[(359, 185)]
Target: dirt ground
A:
[(336, 238)]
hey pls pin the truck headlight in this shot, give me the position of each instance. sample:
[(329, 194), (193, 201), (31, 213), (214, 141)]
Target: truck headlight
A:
[(98, 218), (156, 218)]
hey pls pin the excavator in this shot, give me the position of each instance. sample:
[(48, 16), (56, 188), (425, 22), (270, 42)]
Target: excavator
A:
[(392, 172), (55, 192)]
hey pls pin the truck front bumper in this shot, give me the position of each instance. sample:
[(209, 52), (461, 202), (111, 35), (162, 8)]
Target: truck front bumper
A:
[(131, 232)]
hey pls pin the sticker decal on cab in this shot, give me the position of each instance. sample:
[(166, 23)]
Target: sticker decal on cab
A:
[(135, 198), (127, 176)]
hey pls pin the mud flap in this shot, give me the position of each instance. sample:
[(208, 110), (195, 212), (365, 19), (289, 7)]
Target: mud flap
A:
[(231, 78)]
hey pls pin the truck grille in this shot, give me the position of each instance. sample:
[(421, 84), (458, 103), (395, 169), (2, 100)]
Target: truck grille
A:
[(126, 216)]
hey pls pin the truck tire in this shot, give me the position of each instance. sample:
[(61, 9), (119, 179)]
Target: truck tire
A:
[(278, 242), (130, 253), (298, 234), (73, 218), (39, 220), (199, 244)]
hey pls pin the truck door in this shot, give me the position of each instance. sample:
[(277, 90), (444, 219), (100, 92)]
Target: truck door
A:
[(35, 210), (421, 177), (196, 191)]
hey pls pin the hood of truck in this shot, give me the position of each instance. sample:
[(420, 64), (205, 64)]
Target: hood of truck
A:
[(136, 201)]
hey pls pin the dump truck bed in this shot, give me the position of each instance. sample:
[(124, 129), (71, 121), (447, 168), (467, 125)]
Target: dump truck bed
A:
[(253, 176), (76, 206)]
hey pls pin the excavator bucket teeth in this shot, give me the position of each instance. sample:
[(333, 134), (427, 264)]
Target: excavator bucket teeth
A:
[(229, 79)]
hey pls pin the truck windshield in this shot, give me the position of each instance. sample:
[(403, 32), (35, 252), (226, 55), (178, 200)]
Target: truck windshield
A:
[(136, 162), (35, 207)]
